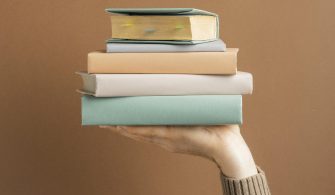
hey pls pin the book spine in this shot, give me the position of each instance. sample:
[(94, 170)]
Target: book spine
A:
[(162, 110), (173, 63)]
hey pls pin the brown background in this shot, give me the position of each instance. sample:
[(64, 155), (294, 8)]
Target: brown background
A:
[(289, 120)]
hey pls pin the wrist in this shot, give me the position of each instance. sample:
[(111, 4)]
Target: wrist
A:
[(238, 171), (233, 157)]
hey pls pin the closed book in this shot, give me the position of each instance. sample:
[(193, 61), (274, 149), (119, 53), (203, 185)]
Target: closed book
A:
[(162, 110), (115, 85), (169, 42), (173, 63), (164, 24), (217, 45)]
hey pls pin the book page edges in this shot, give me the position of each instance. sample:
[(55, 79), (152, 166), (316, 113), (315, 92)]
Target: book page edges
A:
[(89, 82), (83, 92), (199, 22)]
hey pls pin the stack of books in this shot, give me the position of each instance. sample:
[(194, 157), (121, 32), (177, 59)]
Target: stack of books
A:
[(163, 66)]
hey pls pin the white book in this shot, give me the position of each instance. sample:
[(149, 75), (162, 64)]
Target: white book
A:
[(116, 85), (213, 46)]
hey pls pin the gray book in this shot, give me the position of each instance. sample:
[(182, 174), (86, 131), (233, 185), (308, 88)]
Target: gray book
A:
[(213, 46)]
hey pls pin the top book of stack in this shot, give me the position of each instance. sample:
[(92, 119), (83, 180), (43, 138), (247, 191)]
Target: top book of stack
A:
[(163, 25)]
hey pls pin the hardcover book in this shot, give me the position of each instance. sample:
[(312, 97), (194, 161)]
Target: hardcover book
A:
[(187, 25), (216, 46), (162, 110), (115, 85), (166, 63)]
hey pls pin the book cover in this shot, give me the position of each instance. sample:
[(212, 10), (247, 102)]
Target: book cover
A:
[(165, 63), (164, 25), (162, 110), (115, 85), (214, 46)]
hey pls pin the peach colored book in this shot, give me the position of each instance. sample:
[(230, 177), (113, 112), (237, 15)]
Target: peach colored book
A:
[(164, 63)]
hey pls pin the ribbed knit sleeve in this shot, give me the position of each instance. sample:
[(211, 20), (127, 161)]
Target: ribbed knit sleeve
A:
[(253, 185)]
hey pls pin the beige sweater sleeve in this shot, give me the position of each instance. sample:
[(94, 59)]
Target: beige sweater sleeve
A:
[(253, 185)]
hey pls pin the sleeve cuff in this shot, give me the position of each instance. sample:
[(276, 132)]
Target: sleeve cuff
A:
[(253, 185)]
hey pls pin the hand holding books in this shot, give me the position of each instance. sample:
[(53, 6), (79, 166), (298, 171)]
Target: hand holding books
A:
[(168, 67), (222, 144)]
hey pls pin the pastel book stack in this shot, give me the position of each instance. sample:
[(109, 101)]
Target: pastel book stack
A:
[(163, 66)]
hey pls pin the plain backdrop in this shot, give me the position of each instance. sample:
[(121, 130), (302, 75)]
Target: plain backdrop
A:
[(289, 121)]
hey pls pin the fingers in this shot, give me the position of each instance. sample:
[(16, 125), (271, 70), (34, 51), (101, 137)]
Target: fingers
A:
[(172, 133), (117, 129), (167, 132), (137, 133), (112, 128), (147, 131), (143, 139)]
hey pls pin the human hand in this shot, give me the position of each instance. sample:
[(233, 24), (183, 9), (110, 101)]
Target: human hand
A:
[(222, 144)]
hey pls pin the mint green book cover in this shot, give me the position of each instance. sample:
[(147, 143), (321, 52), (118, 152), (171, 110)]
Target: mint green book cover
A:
[(162, 110)]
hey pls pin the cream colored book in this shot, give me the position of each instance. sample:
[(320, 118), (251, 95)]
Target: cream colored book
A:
[(164, 63), (119, 85)]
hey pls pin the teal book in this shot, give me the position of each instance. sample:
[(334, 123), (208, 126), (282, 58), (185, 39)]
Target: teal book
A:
[(162, 110)]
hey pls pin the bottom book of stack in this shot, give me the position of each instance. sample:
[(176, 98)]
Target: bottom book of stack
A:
[(162, 110)]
